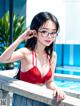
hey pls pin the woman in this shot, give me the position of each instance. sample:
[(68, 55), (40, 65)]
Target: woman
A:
[(38, 59)]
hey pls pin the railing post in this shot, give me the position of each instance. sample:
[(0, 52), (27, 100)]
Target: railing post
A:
[(4, 98)]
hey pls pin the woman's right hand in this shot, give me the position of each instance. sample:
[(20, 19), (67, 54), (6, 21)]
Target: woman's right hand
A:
[(27, 35)]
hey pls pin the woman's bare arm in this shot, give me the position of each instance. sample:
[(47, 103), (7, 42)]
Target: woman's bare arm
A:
[(10, 54), (50, 83), (57, 91)]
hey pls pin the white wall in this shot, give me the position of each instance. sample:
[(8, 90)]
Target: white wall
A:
[(67, 12), (72, 20)]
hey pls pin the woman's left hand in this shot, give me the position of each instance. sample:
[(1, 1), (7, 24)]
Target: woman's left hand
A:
[(59, 94)]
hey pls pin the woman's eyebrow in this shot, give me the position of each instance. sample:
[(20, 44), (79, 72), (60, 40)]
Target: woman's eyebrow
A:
[(48, 29)]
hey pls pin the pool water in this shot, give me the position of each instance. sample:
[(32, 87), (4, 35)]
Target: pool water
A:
[(74, 86), (68, 71)]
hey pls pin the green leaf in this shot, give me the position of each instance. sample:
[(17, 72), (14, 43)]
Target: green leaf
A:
[(18, 27)]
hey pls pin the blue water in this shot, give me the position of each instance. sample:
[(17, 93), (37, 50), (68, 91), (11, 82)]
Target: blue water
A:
[(69, 84), (72, 71)]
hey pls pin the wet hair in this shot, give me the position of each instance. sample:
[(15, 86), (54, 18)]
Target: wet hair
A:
[(36, 23)]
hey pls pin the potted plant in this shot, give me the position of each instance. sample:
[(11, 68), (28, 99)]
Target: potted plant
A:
[(18, 28)]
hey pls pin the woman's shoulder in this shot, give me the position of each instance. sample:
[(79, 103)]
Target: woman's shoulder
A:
[(54, 57), (54, 54), (25, 50)]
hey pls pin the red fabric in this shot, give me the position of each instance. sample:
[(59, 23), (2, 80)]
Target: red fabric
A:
[(34, 76)]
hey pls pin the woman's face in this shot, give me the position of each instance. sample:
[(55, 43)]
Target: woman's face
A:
[(47, 33)]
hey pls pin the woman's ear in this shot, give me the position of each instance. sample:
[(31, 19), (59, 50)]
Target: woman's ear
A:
[(35, 34)]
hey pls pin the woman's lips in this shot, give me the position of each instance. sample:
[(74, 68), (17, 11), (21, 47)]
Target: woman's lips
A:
[(48, 41)]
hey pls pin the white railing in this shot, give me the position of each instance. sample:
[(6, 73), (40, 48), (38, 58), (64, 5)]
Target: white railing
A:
[(35, 92)]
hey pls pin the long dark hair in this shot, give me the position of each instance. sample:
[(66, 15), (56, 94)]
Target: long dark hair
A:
[(36, 23)]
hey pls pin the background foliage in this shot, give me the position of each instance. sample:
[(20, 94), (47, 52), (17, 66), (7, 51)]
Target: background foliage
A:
[(18, 28)]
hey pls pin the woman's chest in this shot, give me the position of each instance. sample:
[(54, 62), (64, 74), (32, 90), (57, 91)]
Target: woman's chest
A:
[(42, 64)]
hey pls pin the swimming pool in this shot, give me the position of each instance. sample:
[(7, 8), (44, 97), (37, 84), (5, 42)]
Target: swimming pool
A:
[(72, 84), (68, 70)]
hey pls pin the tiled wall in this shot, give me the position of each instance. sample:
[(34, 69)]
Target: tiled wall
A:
[(68, 54)]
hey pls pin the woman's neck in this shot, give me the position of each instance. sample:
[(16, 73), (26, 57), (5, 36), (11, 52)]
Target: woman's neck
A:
[(40, 50)]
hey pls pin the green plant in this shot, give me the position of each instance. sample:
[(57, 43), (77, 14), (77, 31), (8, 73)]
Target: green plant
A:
[(18, 28)]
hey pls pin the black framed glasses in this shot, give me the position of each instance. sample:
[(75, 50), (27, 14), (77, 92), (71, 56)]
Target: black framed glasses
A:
[(46, 33)]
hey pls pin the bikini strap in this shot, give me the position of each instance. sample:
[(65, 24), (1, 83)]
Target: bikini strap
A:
[(34, 59)]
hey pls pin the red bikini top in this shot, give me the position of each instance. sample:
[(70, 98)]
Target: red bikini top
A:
[(33, 75)]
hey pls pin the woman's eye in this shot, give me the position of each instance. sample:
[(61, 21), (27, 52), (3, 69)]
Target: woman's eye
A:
[(53, 33), (44, 32)]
